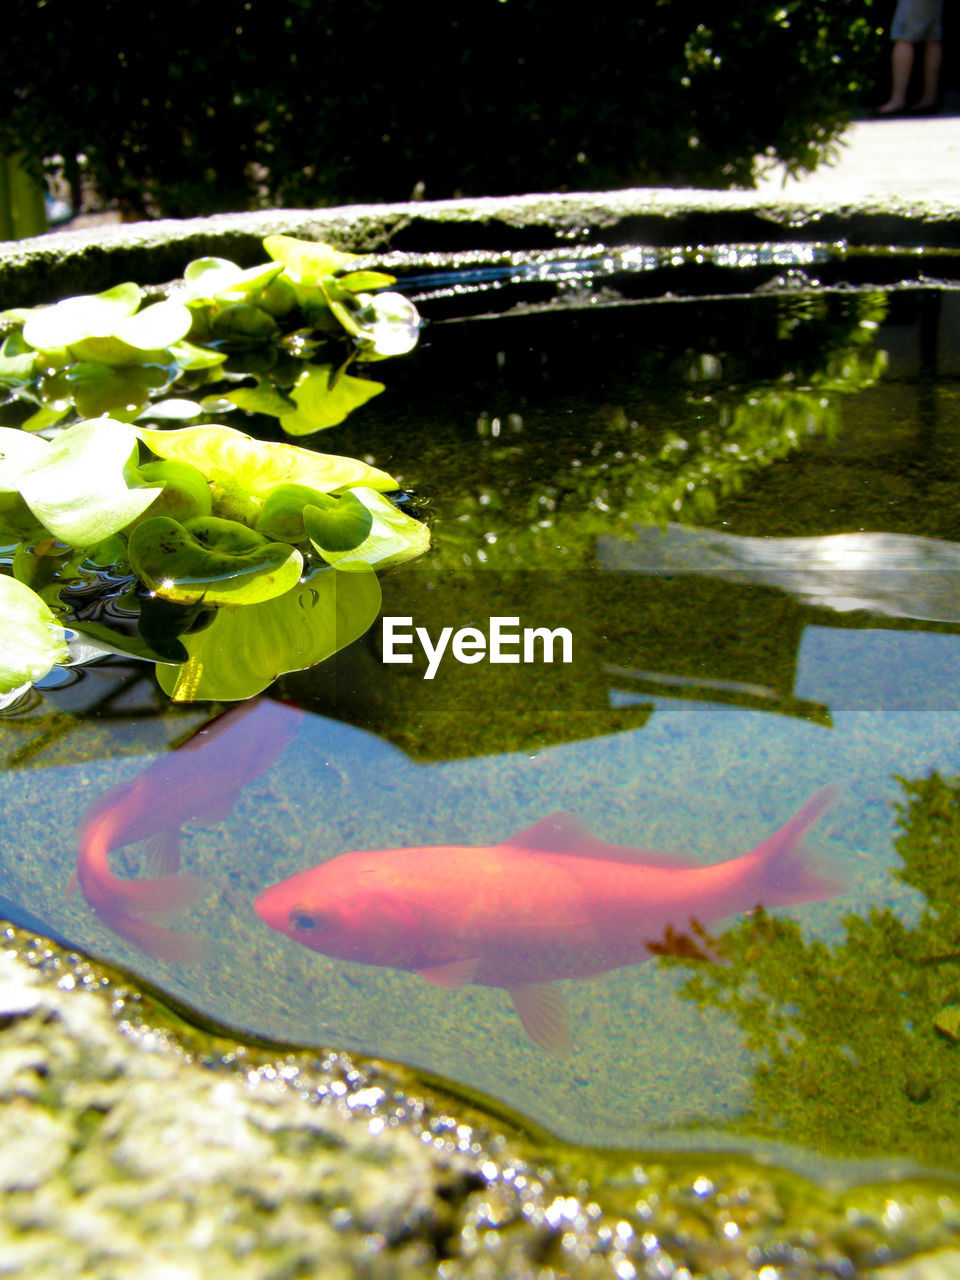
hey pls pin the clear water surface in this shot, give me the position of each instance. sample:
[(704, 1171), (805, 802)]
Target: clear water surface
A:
[(576, 467)]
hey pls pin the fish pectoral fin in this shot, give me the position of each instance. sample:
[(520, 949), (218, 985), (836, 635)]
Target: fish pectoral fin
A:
[(542, 1008), (72, 884), (163, 897), (456, 974), (163, 853)]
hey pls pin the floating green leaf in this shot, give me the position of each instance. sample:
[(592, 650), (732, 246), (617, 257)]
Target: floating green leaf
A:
[(17, 360), (44, 417), (337, 524), (31, 639), (244, 650), (162, 624), (137, 338), (185, 492), (344, 311), (58, 326), (213, 277), (323, 400), (357, 281), (17, 521), (127, 646), (78, 488), (217, 404), (258, 466), (188, 356), (172, 410), (240, 320), (263, 398), (213, 525), (16, 315), (210, 559), (18, 452), (394, 536), (307, 260), (281, 515), (278, 296)]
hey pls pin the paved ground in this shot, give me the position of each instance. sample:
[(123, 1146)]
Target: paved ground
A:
[(908, 159)]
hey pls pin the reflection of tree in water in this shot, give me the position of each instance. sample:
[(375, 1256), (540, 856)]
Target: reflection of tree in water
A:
[(632, 416), (857, 1043)]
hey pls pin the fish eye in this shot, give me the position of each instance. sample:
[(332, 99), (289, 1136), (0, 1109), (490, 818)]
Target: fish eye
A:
[(300, 918)]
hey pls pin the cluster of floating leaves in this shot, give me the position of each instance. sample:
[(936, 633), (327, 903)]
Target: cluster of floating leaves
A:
[(275, 339), (217, 546)]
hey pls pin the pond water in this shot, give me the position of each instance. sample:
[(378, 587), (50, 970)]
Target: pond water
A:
[(667, 481)]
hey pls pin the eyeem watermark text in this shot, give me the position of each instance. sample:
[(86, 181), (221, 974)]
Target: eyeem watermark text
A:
[(504, 643)]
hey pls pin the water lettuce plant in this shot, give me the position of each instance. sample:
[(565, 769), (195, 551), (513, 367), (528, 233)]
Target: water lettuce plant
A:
[(275, 339), (223, 559)]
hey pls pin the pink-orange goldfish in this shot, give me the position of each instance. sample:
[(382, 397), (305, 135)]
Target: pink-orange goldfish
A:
[(199, 781), (552, 902)]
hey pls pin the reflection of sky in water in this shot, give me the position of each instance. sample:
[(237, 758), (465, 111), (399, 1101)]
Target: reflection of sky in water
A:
[(702, 779), (876, 669)]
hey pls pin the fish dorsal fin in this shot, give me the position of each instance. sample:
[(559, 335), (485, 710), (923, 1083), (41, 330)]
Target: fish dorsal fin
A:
[(458, 973), (542, 1008), (565, 833)]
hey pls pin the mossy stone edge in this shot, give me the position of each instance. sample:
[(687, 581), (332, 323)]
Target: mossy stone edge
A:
[(64, 263), (147, 1134)]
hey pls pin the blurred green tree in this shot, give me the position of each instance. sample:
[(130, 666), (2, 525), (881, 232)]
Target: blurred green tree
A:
[(186, 108)]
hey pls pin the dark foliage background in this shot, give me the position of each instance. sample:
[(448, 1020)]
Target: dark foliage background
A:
[(189, 107)]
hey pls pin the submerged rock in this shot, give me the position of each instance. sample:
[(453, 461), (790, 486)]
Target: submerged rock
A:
[(133, 1143)]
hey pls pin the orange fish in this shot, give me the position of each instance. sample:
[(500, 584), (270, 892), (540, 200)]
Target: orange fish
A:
[(199, 781), (552, 902)]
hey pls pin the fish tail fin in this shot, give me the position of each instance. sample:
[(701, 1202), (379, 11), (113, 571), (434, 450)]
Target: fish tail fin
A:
[(785, 876)]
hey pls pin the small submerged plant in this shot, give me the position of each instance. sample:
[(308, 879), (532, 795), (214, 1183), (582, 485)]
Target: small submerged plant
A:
[(223, 559)]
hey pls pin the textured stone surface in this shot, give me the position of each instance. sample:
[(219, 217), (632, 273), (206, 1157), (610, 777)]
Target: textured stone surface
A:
[(133, 1144), (62, 263)]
